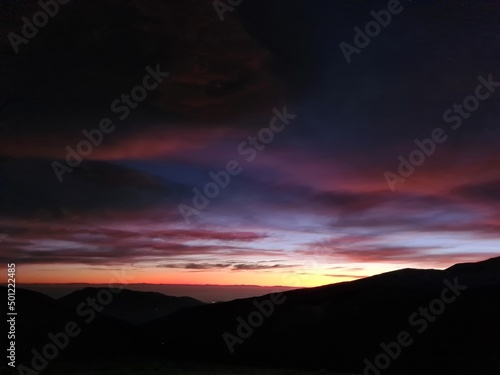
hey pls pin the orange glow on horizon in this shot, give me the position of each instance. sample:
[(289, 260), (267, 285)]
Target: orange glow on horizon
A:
[(27, 274)]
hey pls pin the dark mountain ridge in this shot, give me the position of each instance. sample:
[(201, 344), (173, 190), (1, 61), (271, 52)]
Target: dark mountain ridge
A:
[(133, 306), (451, 317), (339, 326)]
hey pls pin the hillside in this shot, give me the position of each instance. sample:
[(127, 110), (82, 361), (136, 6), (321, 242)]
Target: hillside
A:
[(133, 306), (338, 326)]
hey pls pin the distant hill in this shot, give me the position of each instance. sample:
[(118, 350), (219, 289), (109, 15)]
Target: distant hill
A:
[(36, 312), (39, 315), (335, 327), (107, 331), (205, 293), (132, 306)]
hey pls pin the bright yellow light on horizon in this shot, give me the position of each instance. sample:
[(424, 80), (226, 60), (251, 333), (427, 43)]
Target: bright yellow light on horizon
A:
[(79, 274)]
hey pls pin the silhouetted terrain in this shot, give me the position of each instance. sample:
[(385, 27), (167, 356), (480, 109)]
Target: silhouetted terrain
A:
[(133, 306), (104, 330), (99, 335), (332, 327), (338, 326), (153, 191), (206, 293)]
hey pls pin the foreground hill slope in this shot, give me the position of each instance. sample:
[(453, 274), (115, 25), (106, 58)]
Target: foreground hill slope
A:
[(339, 326), (449, 320)]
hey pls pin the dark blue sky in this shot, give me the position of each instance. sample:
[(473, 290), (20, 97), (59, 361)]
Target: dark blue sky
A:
[(315, 202)]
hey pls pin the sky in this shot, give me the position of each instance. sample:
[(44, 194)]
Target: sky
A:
[(301, 140)]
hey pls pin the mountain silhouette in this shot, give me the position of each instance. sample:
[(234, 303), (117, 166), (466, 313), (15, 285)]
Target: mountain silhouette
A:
[(107, 331), (133, 306), (340, 327)]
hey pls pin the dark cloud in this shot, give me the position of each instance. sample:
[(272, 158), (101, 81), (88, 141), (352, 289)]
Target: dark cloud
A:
[(229, 265), (112, 252), (258, 266), (195, 266), (347, 203), (488, 192), (317, 188), (91, 53), (369, 251), (70, 241), (31, 188)]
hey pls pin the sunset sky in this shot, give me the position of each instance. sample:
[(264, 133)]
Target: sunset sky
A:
[(313, 207)]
